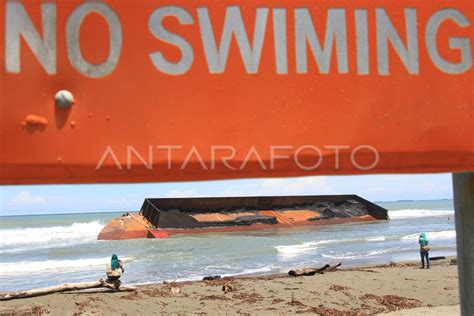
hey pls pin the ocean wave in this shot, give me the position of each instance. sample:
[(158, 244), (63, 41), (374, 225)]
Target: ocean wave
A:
[(252, 271), (445, 234), (413, 238), (375, 238), (364, 254), (75, 233), (291, 251), (58, 266), (415, 213)]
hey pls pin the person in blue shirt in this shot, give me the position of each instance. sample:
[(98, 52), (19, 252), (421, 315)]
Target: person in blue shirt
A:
[(114, 271), (424, 250)]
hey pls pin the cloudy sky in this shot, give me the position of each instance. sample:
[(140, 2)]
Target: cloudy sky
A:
[(41, 199)]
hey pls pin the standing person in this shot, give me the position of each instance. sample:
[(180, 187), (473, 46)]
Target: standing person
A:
[(424, 250), (114, 271)]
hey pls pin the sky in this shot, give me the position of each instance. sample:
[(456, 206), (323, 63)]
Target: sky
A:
[(55, 199)]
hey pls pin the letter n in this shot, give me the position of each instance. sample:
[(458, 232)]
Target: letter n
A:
[(19, 24)]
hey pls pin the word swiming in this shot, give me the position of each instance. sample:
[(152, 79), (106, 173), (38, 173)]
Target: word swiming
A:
[(309, 42)]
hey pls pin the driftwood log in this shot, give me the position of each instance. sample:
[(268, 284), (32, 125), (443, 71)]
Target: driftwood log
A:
[(313, 271), (334, 267), (211, 278), (101, 283)]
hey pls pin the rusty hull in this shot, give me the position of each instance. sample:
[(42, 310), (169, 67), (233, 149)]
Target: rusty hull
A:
[(128, 226), (160, 218)]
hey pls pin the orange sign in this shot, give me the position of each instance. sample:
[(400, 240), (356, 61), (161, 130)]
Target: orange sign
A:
[(129, 91)]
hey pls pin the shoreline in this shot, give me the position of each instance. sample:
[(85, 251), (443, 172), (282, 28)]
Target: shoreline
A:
[(367, 289), (276, 273)]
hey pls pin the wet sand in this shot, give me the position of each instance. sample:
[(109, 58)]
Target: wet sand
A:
[(401, 289)]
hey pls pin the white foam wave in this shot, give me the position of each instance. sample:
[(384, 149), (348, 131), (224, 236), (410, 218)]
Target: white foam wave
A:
[(414, 213), (445, 234), (376, 238), (253, 271), (291, 251), (58, 266), (349, 255), (77, 232), (364, 254)]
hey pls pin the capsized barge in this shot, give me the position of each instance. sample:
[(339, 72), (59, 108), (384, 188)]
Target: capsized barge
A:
[(164, 217)]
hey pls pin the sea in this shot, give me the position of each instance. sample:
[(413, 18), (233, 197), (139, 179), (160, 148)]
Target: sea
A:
[(45, 250)]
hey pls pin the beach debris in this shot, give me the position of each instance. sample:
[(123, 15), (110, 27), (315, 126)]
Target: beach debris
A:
[(334, 267), (132, 296), (313, 271), (170, 289), (33, 310), (175, 290), (295, 302), (85, 304), (101, 283), (227, 287), (220, 281), (247, 298), (437, 258), (308, 271), (211, 278), (453, 262), (393, 302), (340, 288), (214, 297), (362, 269)]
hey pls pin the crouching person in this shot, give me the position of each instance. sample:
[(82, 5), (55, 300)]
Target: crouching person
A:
[(114, 271)]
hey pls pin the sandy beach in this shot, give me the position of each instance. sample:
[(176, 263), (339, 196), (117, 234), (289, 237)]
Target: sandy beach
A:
[(398, 288)]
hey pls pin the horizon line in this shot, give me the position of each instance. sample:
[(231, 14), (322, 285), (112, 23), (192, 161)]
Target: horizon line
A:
[(115, 211)]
